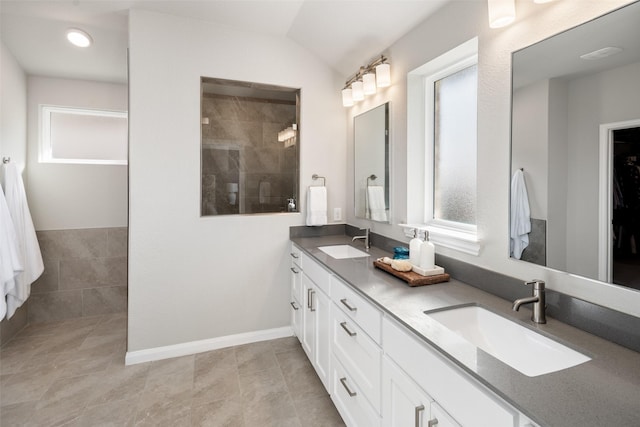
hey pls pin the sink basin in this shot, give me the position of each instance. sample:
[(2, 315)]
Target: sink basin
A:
[(342, 251), (521, 348)]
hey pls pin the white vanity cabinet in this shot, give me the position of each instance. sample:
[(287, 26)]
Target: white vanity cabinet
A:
[(296, 292), (407, 405), (316, 309), (464, 399), (355, 340)]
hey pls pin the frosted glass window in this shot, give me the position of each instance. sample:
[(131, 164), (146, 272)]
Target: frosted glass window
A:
[(71, 135), (455, 146)]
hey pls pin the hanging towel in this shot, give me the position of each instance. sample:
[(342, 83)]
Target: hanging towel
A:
[(317, 206), (377, 206), (27, 241), (520, 215), (264, 192), (10, 265)]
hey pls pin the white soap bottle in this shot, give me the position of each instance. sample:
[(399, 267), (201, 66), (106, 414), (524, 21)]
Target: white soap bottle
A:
[(414, 249), (427, 254)]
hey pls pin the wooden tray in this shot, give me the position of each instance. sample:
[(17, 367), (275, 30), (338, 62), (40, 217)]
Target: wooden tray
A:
[(412, 278)]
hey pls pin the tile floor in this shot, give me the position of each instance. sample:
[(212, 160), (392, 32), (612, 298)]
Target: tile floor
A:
[(72, 373)]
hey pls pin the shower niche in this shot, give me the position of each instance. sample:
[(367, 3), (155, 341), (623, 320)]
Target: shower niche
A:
[(250, 137)]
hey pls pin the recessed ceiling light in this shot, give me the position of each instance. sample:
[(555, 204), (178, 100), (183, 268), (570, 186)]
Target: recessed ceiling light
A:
[(79, 38), (601, 53)]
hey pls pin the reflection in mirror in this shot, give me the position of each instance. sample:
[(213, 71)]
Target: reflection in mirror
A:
[(250, 147), (576, 135), (371, 155)]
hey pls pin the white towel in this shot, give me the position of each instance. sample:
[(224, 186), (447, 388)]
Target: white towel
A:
[(264, 192), (520, 215), (10, 265), (377, 206), (317, 206), (27, 240)]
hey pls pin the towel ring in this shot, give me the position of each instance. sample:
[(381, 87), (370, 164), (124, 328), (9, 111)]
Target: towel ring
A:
[(372, 177), (315, 176), (6, 160)]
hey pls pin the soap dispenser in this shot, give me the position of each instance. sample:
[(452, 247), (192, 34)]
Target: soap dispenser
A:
[(414, 249), (427, 253)]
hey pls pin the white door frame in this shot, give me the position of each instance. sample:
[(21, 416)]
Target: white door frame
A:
[(605, 248)]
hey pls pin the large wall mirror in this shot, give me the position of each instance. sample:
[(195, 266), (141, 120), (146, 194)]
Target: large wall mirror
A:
[(576, 140), (250, 137), (371, 169)]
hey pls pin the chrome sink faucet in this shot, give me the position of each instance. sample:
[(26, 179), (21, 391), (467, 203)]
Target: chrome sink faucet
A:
[(367, 244), (538, 300)]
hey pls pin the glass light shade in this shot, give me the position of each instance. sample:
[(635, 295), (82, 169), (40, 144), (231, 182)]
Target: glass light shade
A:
[(347, 99), (369, 84), (383, 75), (357, 91), (501, 13), (79, 38)]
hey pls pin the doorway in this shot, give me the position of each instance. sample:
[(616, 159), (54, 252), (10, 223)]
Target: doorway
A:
[(625, 203)]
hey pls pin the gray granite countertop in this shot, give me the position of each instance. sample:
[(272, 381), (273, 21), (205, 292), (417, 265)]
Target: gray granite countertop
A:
[(602, 391)]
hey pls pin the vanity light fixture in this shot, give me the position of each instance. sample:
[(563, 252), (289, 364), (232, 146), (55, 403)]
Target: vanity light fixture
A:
[(78, 37), (366, 81), (501, 13)]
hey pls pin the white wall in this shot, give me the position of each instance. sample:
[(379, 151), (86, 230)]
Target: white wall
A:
[(452, 25), (531, 142), (71, 196), (606, 97), (190, 277), (13, 109)]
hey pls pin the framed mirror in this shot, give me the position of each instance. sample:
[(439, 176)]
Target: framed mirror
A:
[(575, 150), (371, 169), (250, 137)]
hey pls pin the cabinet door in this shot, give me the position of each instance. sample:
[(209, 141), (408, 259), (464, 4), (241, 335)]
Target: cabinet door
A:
[(439, 418), (321, 304), (404, 403), (308, 318)]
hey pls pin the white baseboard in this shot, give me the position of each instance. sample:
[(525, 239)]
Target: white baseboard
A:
[(193, 347)]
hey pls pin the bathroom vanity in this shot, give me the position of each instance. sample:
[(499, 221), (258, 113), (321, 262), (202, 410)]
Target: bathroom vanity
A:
[(387, 363)]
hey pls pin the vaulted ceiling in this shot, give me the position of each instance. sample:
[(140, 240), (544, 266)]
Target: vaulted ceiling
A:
[(343, 33)]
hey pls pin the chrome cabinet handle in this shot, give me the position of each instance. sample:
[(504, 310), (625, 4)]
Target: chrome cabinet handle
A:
[(294, 255), (293, 304), (312, 308), (432, 423), (344, 326), (419, 409), (294, 270), (346, 387), (309, 297), (346, 304)]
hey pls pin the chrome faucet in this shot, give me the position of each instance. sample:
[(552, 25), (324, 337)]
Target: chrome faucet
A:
[(367, 244), (538, 300)]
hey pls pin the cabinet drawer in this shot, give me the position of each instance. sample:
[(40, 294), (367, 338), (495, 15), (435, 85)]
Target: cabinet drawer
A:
[(359, 355), (365, 314), (316, 273), (295, 255), (461, 396), (349, 400), (296, 283)]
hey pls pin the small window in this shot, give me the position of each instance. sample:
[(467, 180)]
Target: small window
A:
[(442, 130), (76, 135)]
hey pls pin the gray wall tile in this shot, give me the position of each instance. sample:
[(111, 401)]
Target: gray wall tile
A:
[(49, 280), (99, 301), (55, 306), (9, 328), (81, 273), (117, 242), (64, 244)]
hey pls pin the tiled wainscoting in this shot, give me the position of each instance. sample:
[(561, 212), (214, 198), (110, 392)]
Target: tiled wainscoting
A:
[(85, 274)]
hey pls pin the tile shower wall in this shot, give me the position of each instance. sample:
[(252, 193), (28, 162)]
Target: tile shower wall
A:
[(85, 274), (240, 145)]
